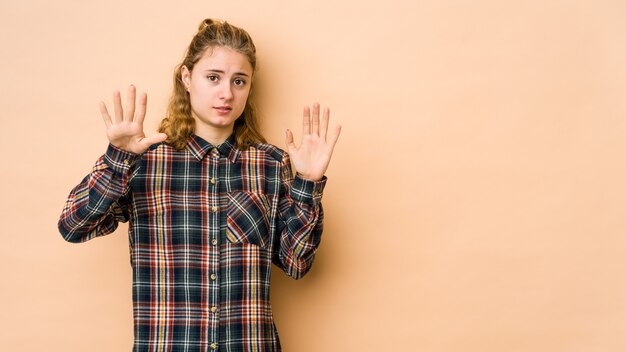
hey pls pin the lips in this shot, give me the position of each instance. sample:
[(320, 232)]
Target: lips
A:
[(223, 109)]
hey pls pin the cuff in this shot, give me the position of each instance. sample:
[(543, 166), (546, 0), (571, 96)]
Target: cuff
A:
[(307, 191), (120, 161)]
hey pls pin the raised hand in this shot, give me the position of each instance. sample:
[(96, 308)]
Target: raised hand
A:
[(125, 131), (312, 156)]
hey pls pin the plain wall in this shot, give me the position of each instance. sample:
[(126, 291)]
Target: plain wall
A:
[(475, 200)]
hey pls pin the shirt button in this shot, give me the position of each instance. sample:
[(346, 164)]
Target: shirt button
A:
[(213, 346), (126, 162), (214, 242), (213, 181), (213, 309), (215, 153), (213, 276), (214, 209)]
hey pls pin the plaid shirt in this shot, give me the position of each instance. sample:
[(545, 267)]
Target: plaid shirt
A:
[(205, 224)]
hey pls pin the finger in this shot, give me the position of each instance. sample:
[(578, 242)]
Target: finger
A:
[(105, 115), (324, 124), (306, 121), (141, 109), (130, 103), (117, 106), (315, 120), (334, 136)]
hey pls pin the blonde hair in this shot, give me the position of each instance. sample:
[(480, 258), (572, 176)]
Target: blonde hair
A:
[(178, 123)]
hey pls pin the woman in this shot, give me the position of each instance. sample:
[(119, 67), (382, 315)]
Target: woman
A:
[(210, 205)]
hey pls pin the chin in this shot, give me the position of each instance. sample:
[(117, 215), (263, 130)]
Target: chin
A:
[(222, 123)]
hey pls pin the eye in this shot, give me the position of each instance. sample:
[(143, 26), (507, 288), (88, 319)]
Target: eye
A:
[(212, 78), (239, 82)]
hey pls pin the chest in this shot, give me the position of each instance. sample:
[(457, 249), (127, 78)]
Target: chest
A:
[(184, 199), (185, 176)]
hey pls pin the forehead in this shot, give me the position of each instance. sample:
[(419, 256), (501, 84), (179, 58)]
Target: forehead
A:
[(224, 59)]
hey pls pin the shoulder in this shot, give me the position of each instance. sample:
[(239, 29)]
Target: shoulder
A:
[(160, 148), (269, 150), (159, 151)]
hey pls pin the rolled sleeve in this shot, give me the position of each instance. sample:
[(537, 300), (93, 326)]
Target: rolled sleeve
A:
[(307, 191), (120, 161)]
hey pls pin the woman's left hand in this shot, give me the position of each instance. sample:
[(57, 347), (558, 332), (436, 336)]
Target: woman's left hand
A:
[(312, 156)]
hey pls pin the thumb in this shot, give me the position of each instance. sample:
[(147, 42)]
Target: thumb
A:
[(157, 138), (289, 140)]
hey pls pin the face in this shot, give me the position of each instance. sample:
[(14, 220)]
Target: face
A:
[(218, 88)]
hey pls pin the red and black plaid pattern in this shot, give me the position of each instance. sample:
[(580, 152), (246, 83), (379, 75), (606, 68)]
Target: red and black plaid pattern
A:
[(205, 225)]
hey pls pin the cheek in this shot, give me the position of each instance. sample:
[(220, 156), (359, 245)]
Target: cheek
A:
[(197, 95), (197, 103), (193, 101), (242, 101), (242, 98), (245, 94)]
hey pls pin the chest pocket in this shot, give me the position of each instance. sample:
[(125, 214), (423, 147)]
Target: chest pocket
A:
[(248, 218)]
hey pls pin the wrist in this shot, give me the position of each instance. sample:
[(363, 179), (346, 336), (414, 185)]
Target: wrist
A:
[(307, 191), (120, 160), (310, 177)]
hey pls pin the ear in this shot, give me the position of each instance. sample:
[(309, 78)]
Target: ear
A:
[(185, 76)]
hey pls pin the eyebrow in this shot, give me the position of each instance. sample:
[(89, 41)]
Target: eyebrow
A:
[(222, 72)]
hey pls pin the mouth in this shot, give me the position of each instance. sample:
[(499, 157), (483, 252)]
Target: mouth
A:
[(223, 109)]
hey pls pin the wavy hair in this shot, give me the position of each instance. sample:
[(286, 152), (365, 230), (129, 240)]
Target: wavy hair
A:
[(178, 123)]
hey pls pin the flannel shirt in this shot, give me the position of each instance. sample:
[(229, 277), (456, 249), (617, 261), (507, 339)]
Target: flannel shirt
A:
[(205, 225)]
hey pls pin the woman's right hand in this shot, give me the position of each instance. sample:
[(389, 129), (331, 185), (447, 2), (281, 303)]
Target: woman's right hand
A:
[(125, 131)]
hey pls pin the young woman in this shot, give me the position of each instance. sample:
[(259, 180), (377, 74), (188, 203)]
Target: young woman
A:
[(210, 205)]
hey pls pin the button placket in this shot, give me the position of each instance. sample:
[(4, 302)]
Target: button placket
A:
[(213, 268), (213, 183), (214, 153)]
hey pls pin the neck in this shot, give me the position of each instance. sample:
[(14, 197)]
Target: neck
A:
[(214, 136)]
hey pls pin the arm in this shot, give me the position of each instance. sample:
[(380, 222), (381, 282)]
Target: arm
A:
[(300, 209), (96, 205), (101, 200), (300, 222)]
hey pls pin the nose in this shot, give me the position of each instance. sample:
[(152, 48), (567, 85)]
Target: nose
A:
[(226, 92)]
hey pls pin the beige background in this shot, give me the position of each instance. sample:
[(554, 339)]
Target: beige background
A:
[(475, 201)]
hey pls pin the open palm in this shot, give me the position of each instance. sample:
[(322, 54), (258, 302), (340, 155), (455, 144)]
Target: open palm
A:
[(125, 131), (312, 156)]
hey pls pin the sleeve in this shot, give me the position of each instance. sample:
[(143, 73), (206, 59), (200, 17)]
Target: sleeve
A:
[(96, 205), (300, 222)]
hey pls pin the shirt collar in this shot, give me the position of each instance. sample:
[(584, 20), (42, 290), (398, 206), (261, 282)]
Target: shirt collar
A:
[(199, 148)]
